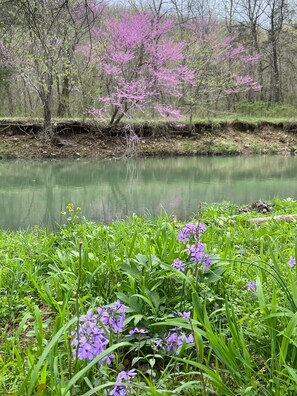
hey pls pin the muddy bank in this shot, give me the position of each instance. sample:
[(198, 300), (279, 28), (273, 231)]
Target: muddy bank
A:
[(76, 139)]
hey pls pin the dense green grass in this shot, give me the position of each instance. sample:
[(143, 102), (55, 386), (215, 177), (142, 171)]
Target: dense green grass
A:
[(244, 341)]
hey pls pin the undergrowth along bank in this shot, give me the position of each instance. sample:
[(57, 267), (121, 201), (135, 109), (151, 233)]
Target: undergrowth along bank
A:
[(151, 306), (144, 127)]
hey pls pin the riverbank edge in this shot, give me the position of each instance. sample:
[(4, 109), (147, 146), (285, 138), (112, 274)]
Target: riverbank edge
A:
[(74, 139)]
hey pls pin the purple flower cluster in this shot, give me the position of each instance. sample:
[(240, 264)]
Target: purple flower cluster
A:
[(251, 286), (184, 314), (179, 264), (122, 388), (136, 330), (113, 316), (292, 262), (175, 339), (90, 339), (197, 255), (191, 229), (191, 233)]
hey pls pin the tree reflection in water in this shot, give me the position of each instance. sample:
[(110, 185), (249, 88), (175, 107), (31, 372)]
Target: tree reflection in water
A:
[(36, 192)]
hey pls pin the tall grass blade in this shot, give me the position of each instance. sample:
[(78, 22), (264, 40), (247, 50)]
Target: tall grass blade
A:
[(33, 375), (289, 331)]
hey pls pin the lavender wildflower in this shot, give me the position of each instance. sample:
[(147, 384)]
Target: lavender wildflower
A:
[(190, 339), (179, 264), (120, 388), (292, 262), (195, 252), (173, 342), (175, 339), (90, 339), (113, 316), (197, 255), (136, 330), (206, 262), (185, 314), (189, 230), (251, 285)]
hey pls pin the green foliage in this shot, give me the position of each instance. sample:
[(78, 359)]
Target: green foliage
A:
[(243, 340), (265, 110)]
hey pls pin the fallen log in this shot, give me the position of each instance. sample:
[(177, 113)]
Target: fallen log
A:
[(287, 218)]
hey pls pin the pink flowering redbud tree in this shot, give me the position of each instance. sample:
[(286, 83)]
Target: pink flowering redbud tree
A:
[(141, 65), (218, 61)]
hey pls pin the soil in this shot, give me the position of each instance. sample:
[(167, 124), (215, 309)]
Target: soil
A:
[(20, 140)]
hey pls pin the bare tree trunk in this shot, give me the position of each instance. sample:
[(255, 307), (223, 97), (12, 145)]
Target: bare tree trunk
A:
[(277, 10), (47, 108), (260, 62), (63, 105), (275, 75), (47, 122), (10, 100)]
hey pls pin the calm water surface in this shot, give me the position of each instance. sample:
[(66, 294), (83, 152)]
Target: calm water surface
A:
[(36, 192)]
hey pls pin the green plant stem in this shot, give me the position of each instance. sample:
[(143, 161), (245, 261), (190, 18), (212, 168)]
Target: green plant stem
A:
[(77, 310), (198, 359)]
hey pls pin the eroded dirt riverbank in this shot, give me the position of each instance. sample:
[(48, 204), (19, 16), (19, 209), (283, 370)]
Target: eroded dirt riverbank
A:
[(19, 140)]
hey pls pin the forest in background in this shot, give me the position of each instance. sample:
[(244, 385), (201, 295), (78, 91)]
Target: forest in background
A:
[(146, 59)]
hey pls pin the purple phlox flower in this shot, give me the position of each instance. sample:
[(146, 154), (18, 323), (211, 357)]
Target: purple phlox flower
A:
[(189, 230), (251, 285), (189, 339), (120, 388), (292, 262), (179, 264), (184, 314), (197, 255), (206, 262), (195, 251), (175, 339), (136, 330), (113, 316), (173, 342), (90, 339), (103, 317), (158, 342)]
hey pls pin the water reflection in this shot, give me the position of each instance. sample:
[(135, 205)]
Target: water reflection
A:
[(35, 193)]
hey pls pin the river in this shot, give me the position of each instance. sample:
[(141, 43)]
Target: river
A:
[(35, 193)]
